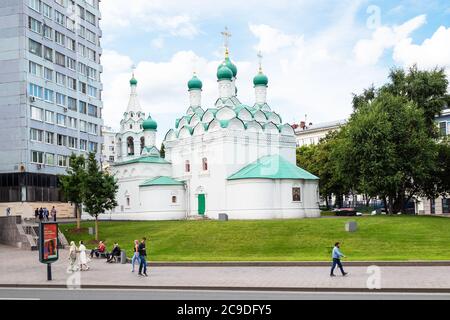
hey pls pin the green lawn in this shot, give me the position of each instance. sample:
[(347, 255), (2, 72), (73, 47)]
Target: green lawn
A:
[(377, 238)]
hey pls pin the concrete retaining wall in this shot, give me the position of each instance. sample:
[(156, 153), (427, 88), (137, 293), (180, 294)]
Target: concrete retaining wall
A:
[(12, 233)]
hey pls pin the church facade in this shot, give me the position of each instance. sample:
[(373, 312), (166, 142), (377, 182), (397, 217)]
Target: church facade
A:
[(228, 158)]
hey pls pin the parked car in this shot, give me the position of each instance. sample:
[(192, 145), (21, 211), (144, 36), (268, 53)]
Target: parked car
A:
[(345, 212)]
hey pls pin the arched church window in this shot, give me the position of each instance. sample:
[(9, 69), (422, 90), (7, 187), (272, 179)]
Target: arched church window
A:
[(131, 126), (296, 197), (205, 164), (130, 146), (142, 144), (187, 167)]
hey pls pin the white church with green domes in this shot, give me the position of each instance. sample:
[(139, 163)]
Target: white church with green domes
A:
[(229, 158)]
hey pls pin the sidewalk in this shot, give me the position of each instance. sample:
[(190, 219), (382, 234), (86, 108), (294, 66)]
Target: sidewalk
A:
[(22, 268)]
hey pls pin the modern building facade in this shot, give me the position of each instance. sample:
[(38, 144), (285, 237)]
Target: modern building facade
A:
[(109, 154), (50, 93), (312, 134)]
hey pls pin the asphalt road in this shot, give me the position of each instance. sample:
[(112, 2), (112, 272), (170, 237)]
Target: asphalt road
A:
[(146, 294)]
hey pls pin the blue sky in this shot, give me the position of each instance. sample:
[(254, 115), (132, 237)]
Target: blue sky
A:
[(316, 53)]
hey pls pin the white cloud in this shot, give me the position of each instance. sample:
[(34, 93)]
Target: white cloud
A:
[(369, 51), (271, 39), (433, 52)]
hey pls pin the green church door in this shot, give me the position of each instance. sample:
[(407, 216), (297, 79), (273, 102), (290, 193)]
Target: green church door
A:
[(201, 204)]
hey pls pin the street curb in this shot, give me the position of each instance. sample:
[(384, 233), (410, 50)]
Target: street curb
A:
[(206, 288), (300, 264)]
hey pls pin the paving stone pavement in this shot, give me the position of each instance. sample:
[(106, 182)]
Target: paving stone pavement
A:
[(21, 267)]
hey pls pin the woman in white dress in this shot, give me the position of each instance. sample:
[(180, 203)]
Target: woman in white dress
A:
[(83, 257), (72, 257)]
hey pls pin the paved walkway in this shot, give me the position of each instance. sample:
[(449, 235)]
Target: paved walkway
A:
[(19, 267)]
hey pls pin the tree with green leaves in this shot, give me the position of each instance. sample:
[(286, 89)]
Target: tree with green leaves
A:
[(386, 149), (427, 89), (72, 184), (100, 190), (320, 160)]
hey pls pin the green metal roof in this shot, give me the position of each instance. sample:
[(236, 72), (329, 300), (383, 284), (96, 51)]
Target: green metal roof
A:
[(162, 181), (145, 159), (272, 167)]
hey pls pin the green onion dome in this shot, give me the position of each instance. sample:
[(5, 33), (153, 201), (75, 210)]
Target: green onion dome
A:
[(149, 124), (224, 73), (195, 83), (133, 81), (260, 79), (231, 65)]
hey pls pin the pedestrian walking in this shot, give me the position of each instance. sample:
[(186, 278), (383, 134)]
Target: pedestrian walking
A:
[(8, 211), (46, 214), (36, 214), (142, 256), (41, 214), (337, 255), (53, 213), (135, 255), (72, 257), (83, 257)]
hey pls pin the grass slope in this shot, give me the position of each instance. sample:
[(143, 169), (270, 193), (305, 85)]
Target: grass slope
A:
[(377, 238)]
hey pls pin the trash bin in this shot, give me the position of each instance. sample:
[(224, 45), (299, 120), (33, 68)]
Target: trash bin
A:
[(123, 257), (223, 217)]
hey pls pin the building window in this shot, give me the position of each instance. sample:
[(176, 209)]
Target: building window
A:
[(36, 135), (443, 129), (49, 137), (60, 99), (130, 146), (60, 119), (48, 32), (446, 206), (72, 103), (48, 74), (60, 18), (142, 144), (82, 107), (296, 194), (35, 69), (205, 164), (111, 158), (50, 159), (60, 59), (83, 144), (49, 96), (47, 10), (61, 140), (432, 206), (62, 161), (92, 110), (48, 54), (49, 116), (128, 201), (174, 199), (37, 157), (34, 25), (187, 167), (35, 48), (35, 5), (37, 113)]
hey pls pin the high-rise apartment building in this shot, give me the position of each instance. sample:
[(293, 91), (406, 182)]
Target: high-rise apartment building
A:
[(50, 93)]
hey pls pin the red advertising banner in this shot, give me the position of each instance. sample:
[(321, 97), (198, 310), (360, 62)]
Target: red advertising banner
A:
[(49, 242)]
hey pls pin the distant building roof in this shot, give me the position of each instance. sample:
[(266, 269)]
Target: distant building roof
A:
[(145, 159), (162, 181), (272, 167), (321, 126)]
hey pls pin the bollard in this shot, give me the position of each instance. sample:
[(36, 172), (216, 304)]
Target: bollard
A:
[(123, 257), (350, 226)]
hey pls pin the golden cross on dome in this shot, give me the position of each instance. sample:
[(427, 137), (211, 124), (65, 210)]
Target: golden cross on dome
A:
[(260, 56), (226, 38)]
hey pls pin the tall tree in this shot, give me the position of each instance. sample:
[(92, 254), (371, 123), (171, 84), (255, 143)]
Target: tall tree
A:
[(427, 89), (387, 149), (100, 190), (320, 160), (72, 184)]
